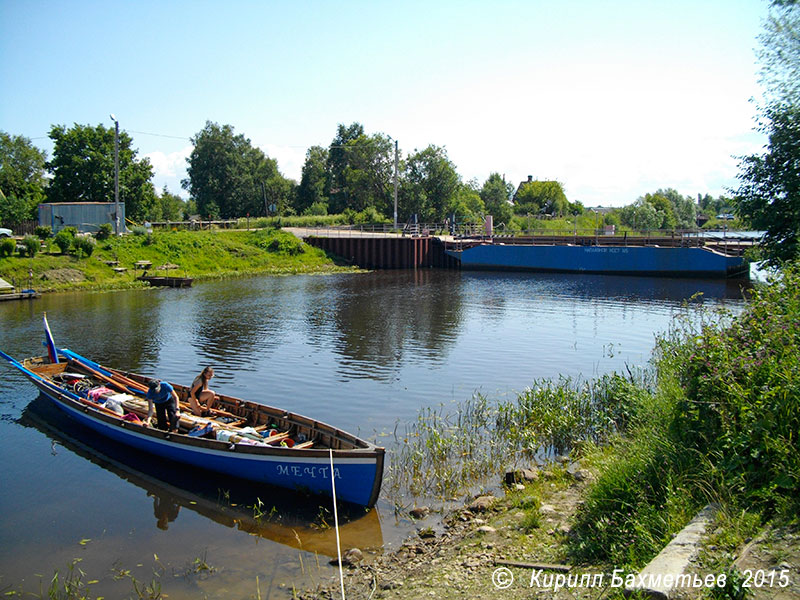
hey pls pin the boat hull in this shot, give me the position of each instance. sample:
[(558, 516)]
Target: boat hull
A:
[(628, 260), (357, 473)]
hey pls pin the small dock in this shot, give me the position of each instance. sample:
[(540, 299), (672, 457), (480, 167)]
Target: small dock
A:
[(163, 281), (10, 292), (23, 295)]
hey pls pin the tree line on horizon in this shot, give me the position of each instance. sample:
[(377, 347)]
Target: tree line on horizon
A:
[(228, 177)]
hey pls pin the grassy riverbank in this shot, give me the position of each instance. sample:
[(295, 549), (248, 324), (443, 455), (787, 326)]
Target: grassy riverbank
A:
[(715, 420), (197, 254)]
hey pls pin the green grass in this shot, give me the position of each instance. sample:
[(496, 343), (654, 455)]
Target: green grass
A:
[(200, 254)]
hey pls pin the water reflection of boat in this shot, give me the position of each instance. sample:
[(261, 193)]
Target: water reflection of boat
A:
[(286, 518)]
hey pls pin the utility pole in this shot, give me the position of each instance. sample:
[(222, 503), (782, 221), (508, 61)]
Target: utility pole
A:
[(116, 174), (396, 161)]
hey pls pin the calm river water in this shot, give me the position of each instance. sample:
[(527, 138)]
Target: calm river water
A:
[(363, 352)]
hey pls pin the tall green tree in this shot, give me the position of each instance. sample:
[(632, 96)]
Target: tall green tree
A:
[(369, 173), (314, 181), (83, 169), (360, 169), (431, 184), (338, 161), (769, 192), (228, 177), (495, 194), (22, 178)]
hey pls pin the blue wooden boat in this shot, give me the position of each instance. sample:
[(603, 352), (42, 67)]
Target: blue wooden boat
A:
[(260, 444)]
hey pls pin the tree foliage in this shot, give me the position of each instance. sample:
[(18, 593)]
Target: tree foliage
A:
[(541, 197), (313, 182), (495, 194), (641, 215), (228, 177), (769, 191), (338, 160), (83, 169), (467, 204), (169, 207), (663, 209), (360, 170), (22, 178), (779, 54), (430, 185)]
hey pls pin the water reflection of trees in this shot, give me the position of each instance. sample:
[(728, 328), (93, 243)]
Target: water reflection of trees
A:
[(386, 319), (234, 320), (117, 329)]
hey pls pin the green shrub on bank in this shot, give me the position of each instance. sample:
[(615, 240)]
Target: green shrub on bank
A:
[(7, 247), (63, 239), (83, 245), (43, 232), (742, 402), (279, 242), (30, 246), (104, 232)]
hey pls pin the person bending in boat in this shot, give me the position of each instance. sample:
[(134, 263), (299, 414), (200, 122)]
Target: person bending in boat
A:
[(201, 398), (163, 396)]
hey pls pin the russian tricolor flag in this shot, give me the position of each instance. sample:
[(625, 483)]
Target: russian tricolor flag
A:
[(48, 341)]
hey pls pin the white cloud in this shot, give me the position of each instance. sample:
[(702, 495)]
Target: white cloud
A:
[(169, 169), (169, 165)]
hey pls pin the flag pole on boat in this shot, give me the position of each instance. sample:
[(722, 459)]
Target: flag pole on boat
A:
[(48, 341), (336, 524)]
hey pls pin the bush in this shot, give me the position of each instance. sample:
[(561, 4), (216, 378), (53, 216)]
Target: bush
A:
[(64, 238), (139, 230), (7, 247), (742, 404), (43, 232), (30, 245), (84, 245), (104, 232), (317, 209)]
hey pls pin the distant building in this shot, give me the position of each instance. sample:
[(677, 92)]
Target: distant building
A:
[(83, 216)]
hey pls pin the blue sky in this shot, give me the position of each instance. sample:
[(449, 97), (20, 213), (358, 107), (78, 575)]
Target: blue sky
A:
[(614, 99)]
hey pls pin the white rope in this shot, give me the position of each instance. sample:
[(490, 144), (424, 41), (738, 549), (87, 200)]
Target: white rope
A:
[(336, 524)]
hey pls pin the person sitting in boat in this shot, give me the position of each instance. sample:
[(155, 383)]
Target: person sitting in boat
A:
[(163, 396), (201, 398)]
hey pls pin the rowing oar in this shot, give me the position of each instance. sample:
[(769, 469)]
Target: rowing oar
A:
[(125, 384), (121, 387), (117, 377)]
